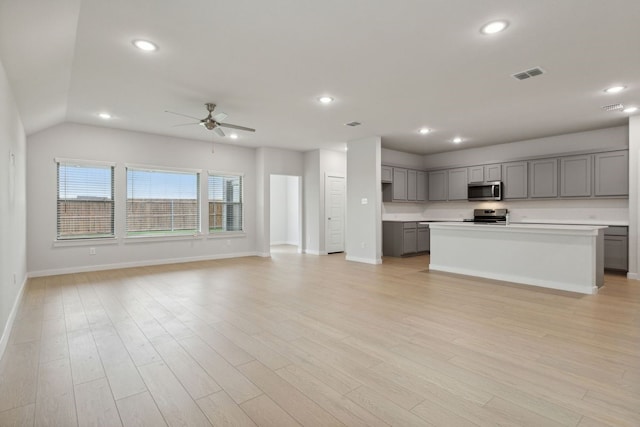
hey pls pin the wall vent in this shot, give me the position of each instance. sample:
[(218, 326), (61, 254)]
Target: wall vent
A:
[(353, 124), (523, 75), (613, 107)]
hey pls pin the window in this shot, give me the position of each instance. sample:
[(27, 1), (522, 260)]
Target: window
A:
[(161, 203), (85, 200), (225, 203)]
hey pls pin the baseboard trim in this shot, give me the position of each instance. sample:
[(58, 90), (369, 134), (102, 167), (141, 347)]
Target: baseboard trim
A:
[(4, 339), (522, 280), (364, 260), (633, 276), (100, 267)]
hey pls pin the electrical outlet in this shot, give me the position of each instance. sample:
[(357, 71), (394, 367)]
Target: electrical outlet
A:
[(92, 251), (363, 244), (228, 242)]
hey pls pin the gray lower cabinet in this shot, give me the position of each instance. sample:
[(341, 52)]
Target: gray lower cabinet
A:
[(424, 239), (616, 251), (515, 180), (575, 176), (457, 189), (612, 173), (409, 240), (404, 238), (438, 186), (543, 178)]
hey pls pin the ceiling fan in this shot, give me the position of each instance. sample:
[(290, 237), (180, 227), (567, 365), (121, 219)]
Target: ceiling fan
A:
[(212, 122)]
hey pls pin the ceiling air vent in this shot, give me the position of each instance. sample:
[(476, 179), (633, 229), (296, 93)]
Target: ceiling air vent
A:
[(613, 107), (353, 124), (523, 75)]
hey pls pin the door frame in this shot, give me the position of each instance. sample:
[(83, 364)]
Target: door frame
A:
[(325, 212)]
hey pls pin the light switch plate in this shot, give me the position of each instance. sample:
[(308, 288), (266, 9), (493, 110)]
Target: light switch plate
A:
[(364, 201)]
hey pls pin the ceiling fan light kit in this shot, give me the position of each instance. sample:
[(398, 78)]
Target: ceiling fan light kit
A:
[(214, 122)]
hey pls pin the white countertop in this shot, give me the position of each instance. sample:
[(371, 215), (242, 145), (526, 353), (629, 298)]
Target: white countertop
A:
[(526, 221), (524, 228), (573, 222)]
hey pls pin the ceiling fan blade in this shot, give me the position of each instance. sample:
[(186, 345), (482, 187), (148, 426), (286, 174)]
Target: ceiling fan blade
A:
[(220, 116), (230, 126), (218, 131), (185, 124), (180, 114)]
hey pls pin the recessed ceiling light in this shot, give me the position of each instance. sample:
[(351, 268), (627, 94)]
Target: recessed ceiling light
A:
[(104, 116), (145, 45), (494, 27), (457, 140), (325, 99), (630, 110), (424, 131), (233, 136), (615, 89)]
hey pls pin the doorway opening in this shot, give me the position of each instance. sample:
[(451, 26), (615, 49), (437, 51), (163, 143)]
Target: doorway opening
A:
[(285, 211)]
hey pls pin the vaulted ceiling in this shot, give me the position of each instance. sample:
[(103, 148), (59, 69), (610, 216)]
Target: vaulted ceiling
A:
[(394, 66)]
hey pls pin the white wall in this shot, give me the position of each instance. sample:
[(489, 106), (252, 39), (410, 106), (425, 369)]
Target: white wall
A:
[(634, 197), (311, 198), (293, 210), (284, 210), (271, 161), (95, 143), (364, 226), (317, 165), (13, 237)]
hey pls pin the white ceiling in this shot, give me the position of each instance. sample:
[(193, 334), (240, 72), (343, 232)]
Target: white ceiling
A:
[(395, 66)]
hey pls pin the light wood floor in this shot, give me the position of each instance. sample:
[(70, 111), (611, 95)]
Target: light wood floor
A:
[(318, 341)]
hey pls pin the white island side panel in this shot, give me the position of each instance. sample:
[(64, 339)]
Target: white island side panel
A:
[(558, 257)]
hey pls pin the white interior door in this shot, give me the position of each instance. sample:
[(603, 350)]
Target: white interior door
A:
[(334, 190)]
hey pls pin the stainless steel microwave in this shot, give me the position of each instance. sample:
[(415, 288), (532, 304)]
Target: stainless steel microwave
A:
[(485, 191)]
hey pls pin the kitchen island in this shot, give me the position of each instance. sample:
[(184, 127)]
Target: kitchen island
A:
[(565, 257)]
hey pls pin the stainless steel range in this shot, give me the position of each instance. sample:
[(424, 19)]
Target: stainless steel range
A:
[(490, 216)]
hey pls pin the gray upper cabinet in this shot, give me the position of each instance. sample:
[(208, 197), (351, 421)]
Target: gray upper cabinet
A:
[(543, 178), (421, 186), (514, 175), (438, 185), (387, 174), (399, 184), (493, 172), (612, 173), (475, 174), (458, 184), (412, 188), (575, 176), (485, 173)]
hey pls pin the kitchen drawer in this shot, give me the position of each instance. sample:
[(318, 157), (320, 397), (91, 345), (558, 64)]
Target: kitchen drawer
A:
[(423, 225), (409, 225), (616, 231)]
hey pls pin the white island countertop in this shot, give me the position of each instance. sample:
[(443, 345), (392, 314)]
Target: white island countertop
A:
[(524, 228), (565, 257)]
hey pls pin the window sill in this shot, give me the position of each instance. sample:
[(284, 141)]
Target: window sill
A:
[(162, 238), (227, 235), (85, 242)]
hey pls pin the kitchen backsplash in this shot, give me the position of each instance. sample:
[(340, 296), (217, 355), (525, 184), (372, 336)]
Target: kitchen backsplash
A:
[(614, 211)]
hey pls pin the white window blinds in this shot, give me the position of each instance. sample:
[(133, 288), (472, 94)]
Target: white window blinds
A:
[(225, 203), (162, 202), (85, 201)]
